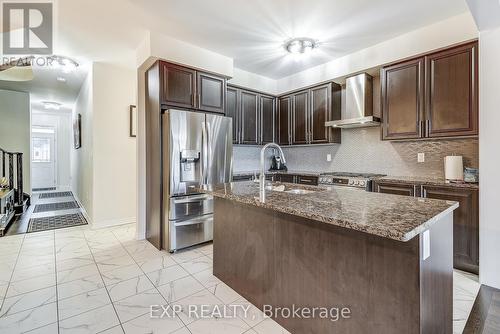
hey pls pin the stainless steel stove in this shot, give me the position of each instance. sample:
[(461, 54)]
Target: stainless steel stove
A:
[(354, 180)]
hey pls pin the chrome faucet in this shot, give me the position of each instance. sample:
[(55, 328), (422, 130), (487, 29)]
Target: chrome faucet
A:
[(262, 177)]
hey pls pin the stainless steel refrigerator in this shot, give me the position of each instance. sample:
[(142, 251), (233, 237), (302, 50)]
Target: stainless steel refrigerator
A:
[(197, 149)]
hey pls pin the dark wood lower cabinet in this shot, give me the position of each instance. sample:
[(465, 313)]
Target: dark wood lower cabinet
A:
[(465, 218), (465, 224), (397, 189)]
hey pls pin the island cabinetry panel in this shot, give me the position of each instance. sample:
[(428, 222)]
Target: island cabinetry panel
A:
[(465, 226), (276, 259), (432, 96), (188, 88)]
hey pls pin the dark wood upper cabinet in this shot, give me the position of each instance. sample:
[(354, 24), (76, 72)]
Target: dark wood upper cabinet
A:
[(403, 100), (452, 92), (321, 110), (397, 189), (267, 119), (300, 114), (250, 122), (188, 88), (283, 120), (210, 92), (435, 95), (233, 111), (178, 85), (465, 224)]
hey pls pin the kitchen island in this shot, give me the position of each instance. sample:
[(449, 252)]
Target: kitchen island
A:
[(386, 259)]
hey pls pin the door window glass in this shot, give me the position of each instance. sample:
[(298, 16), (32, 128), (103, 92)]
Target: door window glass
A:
[(41, 150)]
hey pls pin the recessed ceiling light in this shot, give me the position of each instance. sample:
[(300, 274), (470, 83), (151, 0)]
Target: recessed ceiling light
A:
[(61, 79), (300, 45), (67, 65), (51, 105)]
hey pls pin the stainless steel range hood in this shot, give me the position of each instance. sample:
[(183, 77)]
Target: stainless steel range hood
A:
[(359, 104)]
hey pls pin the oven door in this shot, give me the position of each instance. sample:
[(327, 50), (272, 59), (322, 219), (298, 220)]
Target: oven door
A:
[(190, 232)]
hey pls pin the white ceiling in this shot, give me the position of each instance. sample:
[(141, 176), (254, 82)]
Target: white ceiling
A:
[(251, 32)]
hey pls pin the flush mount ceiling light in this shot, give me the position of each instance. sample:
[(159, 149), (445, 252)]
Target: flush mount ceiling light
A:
[(67, 65), (51, 105), (300, 45)]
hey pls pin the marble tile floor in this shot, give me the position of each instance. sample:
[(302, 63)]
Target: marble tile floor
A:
[(79, 280), (20, 225)]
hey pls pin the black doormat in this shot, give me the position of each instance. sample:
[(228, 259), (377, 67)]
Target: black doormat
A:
[(57, 194), (55, 206), (43, 189), (56, 222)]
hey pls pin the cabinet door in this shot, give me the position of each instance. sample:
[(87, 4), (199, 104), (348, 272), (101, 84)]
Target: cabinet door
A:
[(267, 119), (232, 110), (404, 189), (452, 92), (178, 86), (210, 92), (249, 111), (403, 100), (300, 114), (283, 119), (465, 224), (321, 110)]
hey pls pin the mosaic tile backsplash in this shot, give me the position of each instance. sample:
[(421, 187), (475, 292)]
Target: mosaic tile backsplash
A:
[(363, 151)]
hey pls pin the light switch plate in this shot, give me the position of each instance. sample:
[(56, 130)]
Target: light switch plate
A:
[(328, 157), (421, 157)]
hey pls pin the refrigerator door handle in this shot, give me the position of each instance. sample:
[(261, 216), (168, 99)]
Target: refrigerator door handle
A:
[(203, 152)]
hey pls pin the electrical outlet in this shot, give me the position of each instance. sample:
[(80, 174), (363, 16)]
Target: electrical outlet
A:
[(421, 157), (329, 157)]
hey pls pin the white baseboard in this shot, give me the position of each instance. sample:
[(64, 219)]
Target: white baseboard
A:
[(113, 222), (84, 212)]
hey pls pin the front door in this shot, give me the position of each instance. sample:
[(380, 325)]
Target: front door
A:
[(43, 158)]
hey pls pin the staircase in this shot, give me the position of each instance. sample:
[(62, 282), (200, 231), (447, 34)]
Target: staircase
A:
[(13, 200)]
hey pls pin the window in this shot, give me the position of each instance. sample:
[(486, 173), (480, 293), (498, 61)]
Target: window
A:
[(41, 149)]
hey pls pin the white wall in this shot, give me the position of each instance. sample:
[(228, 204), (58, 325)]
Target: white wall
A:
[(165, 47), (114, 90), (254, 81), (62, 123), (15, 129), (82, 164), (451, 31), (489, 160)]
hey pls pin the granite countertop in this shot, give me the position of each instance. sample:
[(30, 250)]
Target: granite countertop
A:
[(390, 216), (431, 181)]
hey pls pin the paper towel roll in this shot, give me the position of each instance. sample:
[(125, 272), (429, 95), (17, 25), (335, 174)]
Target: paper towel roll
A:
[(454, 168)]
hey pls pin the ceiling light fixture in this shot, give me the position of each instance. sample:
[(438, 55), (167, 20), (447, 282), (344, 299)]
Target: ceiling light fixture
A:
[(300, 45), (67, 65), (51, 105)]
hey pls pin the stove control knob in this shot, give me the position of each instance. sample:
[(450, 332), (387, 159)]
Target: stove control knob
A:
[(362, 183), (351, 182), (356, 183)]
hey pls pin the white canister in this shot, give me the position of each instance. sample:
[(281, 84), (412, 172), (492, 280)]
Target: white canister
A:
[(454, 168)]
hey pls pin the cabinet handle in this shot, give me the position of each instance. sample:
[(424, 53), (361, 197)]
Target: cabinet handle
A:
[(199, 100), (428, 128), (421, 129)]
